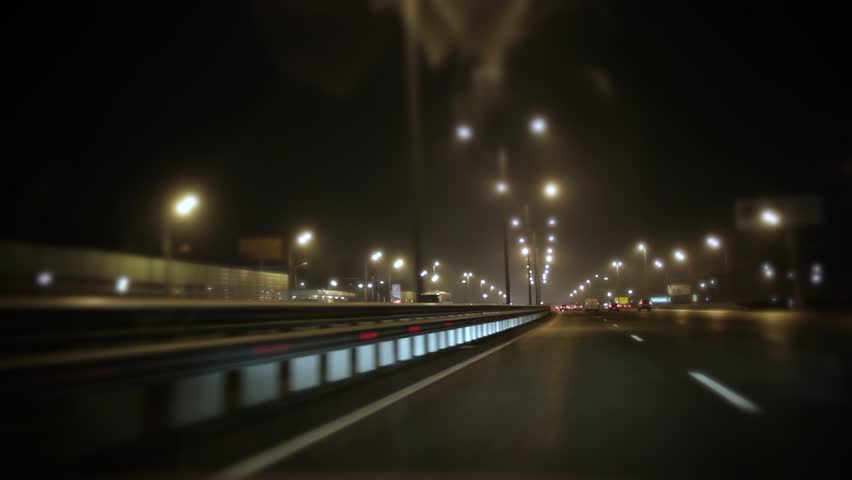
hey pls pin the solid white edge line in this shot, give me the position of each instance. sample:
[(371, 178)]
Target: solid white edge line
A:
[(637, 338), (282, 451), (731, 396)]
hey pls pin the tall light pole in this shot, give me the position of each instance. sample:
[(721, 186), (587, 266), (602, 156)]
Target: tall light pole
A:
[(301, 240), (374, 257), (617, 265), (642, 247), (181, 208), (397, 265), (771, 218)]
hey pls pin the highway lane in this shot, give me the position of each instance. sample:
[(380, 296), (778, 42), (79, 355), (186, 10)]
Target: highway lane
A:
[(583, 397)]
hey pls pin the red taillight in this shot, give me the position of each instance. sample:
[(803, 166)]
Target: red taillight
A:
[(368, 335), (448, 324), (414, 328), (270, 349)]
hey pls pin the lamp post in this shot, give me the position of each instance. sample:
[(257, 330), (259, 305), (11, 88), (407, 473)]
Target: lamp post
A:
[(301, 240), (181, 208), (642, 247), (374, 257)]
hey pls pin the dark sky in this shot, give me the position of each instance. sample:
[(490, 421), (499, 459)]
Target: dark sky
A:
[(283, 114)]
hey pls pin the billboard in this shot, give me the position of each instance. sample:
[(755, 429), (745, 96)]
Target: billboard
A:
[(678, 289), (793, 210), (259, 249)]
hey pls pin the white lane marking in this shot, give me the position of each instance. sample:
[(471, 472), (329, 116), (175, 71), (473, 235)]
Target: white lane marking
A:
[(637, 338), (615, 325), (288, 448), (731, 396)]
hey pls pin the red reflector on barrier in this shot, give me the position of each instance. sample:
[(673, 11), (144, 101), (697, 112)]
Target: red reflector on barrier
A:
[(271, 349), (448, 324), (368, 335), (414, 328)]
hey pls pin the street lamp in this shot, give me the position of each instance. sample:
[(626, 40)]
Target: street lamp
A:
[(435, 278), (538, 125), (501, 187), (333, 282), (525, 251), (679, 255), (464, 133), (182, 207), (374, 257), (551, 222), (770, 217), (551, 190), (642, 247), (551, 238), (301, 239), (516, 222)]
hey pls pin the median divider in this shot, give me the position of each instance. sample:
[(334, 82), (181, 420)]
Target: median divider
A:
[(71, 401)]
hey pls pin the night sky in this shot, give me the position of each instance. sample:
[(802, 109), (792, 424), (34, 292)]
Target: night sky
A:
[(290, 114)]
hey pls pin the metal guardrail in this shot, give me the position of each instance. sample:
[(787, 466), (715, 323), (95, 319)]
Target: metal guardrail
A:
[(140, 370)]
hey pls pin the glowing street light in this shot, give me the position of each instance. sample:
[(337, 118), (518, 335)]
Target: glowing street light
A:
[(538, 125), (713, 242), (333, 282), (770, 217), (548, 258), (549, 250), (551, 238), (424, 273), (551, 222), (525, 251), (582, 287), (658, 264), (464, 133), (551, 190), (435, 278), (679, 255), (398, 263), (304, 238), (360, 285), (186, 205), (501, 187), (516, 222), (521, 240), (588, 282), (376, 256), (641, 247)]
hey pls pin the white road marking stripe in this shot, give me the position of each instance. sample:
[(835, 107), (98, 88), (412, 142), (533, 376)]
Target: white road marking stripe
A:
[(288, 448), (637, 338), (615, 325), (731, 396)]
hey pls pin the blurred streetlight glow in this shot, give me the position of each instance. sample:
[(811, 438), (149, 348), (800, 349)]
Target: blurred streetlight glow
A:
[(484, 295), (630, 292), (679, 255), (502, 187), (398, 263), (588, 281), (521, 240), (770, 217), (525, 251), (582, 287), (360, 285), (548, 258), (713, 242), (549, 250), (551, 238), (186, 204), (641, 246), (516, 222), (376, 256), (333, 283), (491, 287), (551, 189), (437, 263), (304, 238), (369, 285), (658, 264), (551, 221), (482, 282), (608, 294), (424, 273), (538, 125), (464, 132), (435, 278)]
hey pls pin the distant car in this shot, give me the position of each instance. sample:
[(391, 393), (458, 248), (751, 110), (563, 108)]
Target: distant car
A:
[(613, 306), (643, 304), (591, 304)]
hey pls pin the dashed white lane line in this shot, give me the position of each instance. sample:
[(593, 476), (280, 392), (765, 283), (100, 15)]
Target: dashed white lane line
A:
[(637, 338), (282, 451), (726, 393), (615, 325)]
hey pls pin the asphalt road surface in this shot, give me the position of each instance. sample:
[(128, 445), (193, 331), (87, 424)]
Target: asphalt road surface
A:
[(665, 394)]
